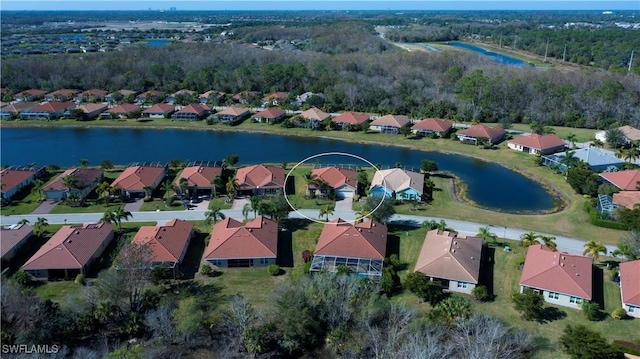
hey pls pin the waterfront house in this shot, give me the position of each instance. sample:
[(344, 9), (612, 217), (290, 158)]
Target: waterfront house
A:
[(597, 159), (260, 180), (397, 183), (13, 110), (235, 245), (475, 134), (61, 95), (351, 120), (630, 287), (389, 124), (140, 178), (161, 110), (628, 180), (15, 178), (126, 110), (630, 134), (232, 115), (83, 182), (70, 252), (561, 278), (270, 115), (168, 244), (93, 95), (191, 112), (536, 144), (30, 95), (199, 176), (341, 181), (361, 247), (452, 259), (435, 126), (47, 111), (12, 239), (313, 117), (92, 110)]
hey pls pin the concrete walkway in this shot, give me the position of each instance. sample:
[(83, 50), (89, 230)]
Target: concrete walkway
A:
[(45, 207)]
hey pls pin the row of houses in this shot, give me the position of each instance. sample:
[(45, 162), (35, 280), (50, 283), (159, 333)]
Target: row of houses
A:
[(628, 195)]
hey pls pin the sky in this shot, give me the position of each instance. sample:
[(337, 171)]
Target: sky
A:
[(321, 5)]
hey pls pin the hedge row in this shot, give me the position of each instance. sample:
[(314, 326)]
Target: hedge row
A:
[(594, 218), (627, 347)]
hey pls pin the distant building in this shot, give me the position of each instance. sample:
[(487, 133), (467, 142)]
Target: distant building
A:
[(13, 238)]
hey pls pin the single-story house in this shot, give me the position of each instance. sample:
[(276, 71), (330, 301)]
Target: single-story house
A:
[(160, 110), (351, 120), (87, 180), (597, 159), (212, 97), (361, 247), (630, 134), (561, 278), (270, 115), (12, 110), (93, 95), (397, 183), (30, 95), (389, 124), (199, 176), (184, 93), (452, 259), (168, 244), (233, 114), (12, 239), (92, 110), (151, 96), (192, 112), (626, 199), (15, 178), (274, 98), (630, 287), (313, 117), (628, 180), (436, 126), (61, 95), (244, 97), (300, 99), (47, 111), (260, 180), (138, 179), (234, 245), (343, 182), (125, 110), (114, 96), (474, 133), (70, 252), (536, 144)]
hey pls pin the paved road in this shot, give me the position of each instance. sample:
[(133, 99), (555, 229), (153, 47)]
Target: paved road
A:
[(565, 244)]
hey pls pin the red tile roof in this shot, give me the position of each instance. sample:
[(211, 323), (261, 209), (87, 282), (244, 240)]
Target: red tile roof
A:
[(31, 92), (123, 92), (18, 107), (232, 240), (71, 247), (260, 176), (271, 112), (557, 272), (166, 242), (244, 94), (163, 108), (392, 120), (336, 177), (150, 93), (62, 92), (450, 256), (352, 118), (479, 131), (87, 175), (10, 237), (315, 114), (94, 92), (631, 133), (138, 177), (195, 108), (276, 95), (212, 92), (342, 239), (183, 92), (630, 282), (539, 142), (433, 124), (234, 111), (54, 106), (200, 176), (625, 180), (11, 178), (626, 199), (124, 108), (92, 107)]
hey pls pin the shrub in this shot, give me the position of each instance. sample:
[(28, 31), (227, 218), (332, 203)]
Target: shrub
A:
[(80, 279), (306, 255), (206, 269), (306, 268), (274, 269), (619, 314), (147, 199), (161, 272), (530, 303), (481, 293), (21, 277), (591, 310), (520, 262)]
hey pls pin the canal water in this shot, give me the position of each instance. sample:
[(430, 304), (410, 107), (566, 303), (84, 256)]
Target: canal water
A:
[(507, 60)]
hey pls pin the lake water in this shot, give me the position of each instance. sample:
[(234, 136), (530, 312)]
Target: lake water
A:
[(158, 43), (489, 184), (507, 60)]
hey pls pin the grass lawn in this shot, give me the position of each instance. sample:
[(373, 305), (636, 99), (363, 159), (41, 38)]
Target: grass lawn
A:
[(582, 134), (56, 291), (220, 202), (24, 203)]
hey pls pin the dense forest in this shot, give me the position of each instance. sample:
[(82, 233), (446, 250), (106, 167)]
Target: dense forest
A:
[(359, 72)]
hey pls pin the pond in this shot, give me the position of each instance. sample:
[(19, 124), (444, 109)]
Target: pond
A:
[(158, 43), (489, 184), (507, 60)]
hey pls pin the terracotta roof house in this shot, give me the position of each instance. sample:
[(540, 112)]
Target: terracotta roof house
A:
[(125, 110), (435, 126), (232, 114), (234, 245), (61, 95), (12, 239), (452, 259), (12, 110), (630, 134), (151, 96), (160, 110), (270, 115), (30, 95), (628, 180), (343, 182), (362, 247), (536, 144), (274, 98), (390, 124), (184, 93), (135, 180), (47, 111), (119, 94), (15, 178), (212, 97), (69, 252), (313, 117), (352, 120), (474, 133), (244, 97), (168, 243), (92, 110), (93, 95), (260, 180), (561, 278), (597, 159), (199, 176), (191, 112), (626, 199), (397, 183), (87, 180), (630, 287)]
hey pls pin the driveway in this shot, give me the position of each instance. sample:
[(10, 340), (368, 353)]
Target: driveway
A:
[(45, 207), (134, 206), (344, 205), (238, 203)]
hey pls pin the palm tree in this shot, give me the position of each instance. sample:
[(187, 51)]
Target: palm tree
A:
[(245, 210), (254, 203), (529, 239), (121, 214), (38, 227), (37, 187), (84, 162), (183, 184), (625, 251), (486, 234), (102, 190), (213, 215), (167, 187), (593, 249), (572, 138), (217, 183), (147, 191), (109, 217), (549, 242), (23, 221), (231, 187), (327, 210)]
